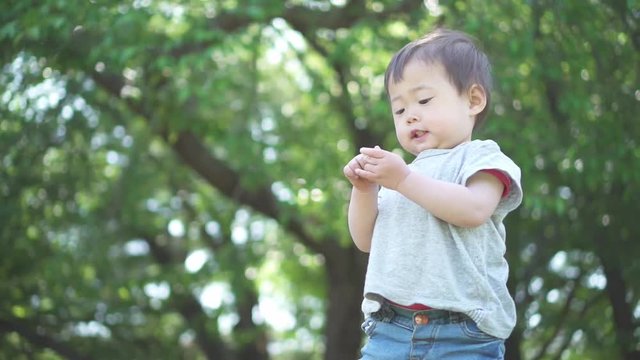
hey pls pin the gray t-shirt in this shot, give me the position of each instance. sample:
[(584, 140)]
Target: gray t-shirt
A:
[(416, 258)]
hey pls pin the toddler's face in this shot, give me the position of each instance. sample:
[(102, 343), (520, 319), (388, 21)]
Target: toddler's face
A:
[(428, 111)]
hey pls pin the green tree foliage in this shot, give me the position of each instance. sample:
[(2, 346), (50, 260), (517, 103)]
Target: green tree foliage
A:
[(170, 172)]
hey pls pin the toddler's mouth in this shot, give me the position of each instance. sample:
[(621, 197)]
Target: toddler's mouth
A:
[(417, 133)]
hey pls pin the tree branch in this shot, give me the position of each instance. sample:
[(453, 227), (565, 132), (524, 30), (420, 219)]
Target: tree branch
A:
[(216, 172), (628, 20), (564, 315), (583, 312), (306, 21), (189, 307), (37, 338), (224, 22)]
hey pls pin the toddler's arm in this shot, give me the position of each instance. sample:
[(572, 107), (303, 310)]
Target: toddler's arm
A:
[(363, 207), (363, 210), (467, 205)]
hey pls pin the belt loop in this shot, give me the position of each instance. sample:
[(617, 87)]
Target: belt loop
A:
[(455, 317), (385, 313)]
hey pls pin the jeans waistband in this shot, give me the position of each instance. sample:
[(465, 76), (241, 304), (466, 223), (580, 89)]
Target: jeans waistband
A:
[(389, 311)]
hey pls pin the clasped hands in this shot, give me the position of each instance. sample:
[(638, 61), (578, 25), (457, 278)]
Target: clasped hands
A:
[(376, 166)]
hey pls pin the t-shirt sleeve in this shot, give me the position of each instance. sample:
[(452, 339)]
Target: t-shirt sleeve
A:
[(486, 156), (504, 179)]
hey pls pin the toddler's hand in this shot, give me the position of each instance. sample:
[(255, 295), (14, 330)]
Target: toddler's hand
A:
[(358, 182), (383, 167)]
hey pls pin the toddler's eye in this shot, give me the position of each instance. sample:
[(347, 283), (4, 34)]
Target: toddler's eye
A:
[(399, 111), (424, 101)]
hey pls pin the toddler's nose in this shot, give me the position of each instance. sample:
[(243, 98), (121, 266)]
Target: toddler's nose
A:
[(412, 118)]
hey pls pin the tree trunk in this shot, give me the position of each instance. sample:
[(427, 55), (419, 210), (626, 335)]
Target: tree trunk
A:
[(512, 345), (514, 245), (345, 271), (617, 291)]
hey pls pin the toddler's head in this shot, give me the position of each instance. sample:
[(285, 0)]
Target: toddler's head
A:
[(464, 63)]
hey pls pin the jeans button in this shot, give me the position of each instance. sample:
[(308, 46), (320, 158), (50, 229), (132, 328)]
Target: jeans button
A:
[(421, 319)]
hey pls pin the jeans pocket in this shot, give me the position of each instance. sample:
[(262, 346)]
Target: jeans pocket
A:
[(471, 329), (369, 325)]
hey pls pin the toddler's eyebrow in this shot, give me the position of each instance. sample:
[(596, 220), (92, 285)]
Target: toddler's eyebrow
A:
[(413, 90)]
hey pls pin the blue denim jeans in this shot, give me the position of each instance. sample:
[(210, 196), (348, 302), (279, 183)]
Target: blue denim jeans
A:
[(395, 333)]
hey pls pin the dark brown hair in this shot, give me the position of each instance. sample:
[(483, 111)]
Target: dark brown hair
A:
[(457, 52)]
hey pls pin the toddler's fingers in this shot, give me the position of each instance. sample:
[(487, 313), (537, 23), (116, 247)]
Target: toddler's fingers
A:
[(346, 170), (355, 164), (360, 160), (364, 174), (376, 152), (350, 173)]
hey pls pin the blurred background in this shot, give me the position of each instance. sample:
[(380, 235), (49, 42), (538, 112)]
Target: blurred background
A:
[(171, 172)]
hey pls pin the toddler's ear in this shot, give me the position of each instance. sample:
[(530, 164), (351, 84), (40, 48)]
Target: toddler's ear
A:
[(477, 99)]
